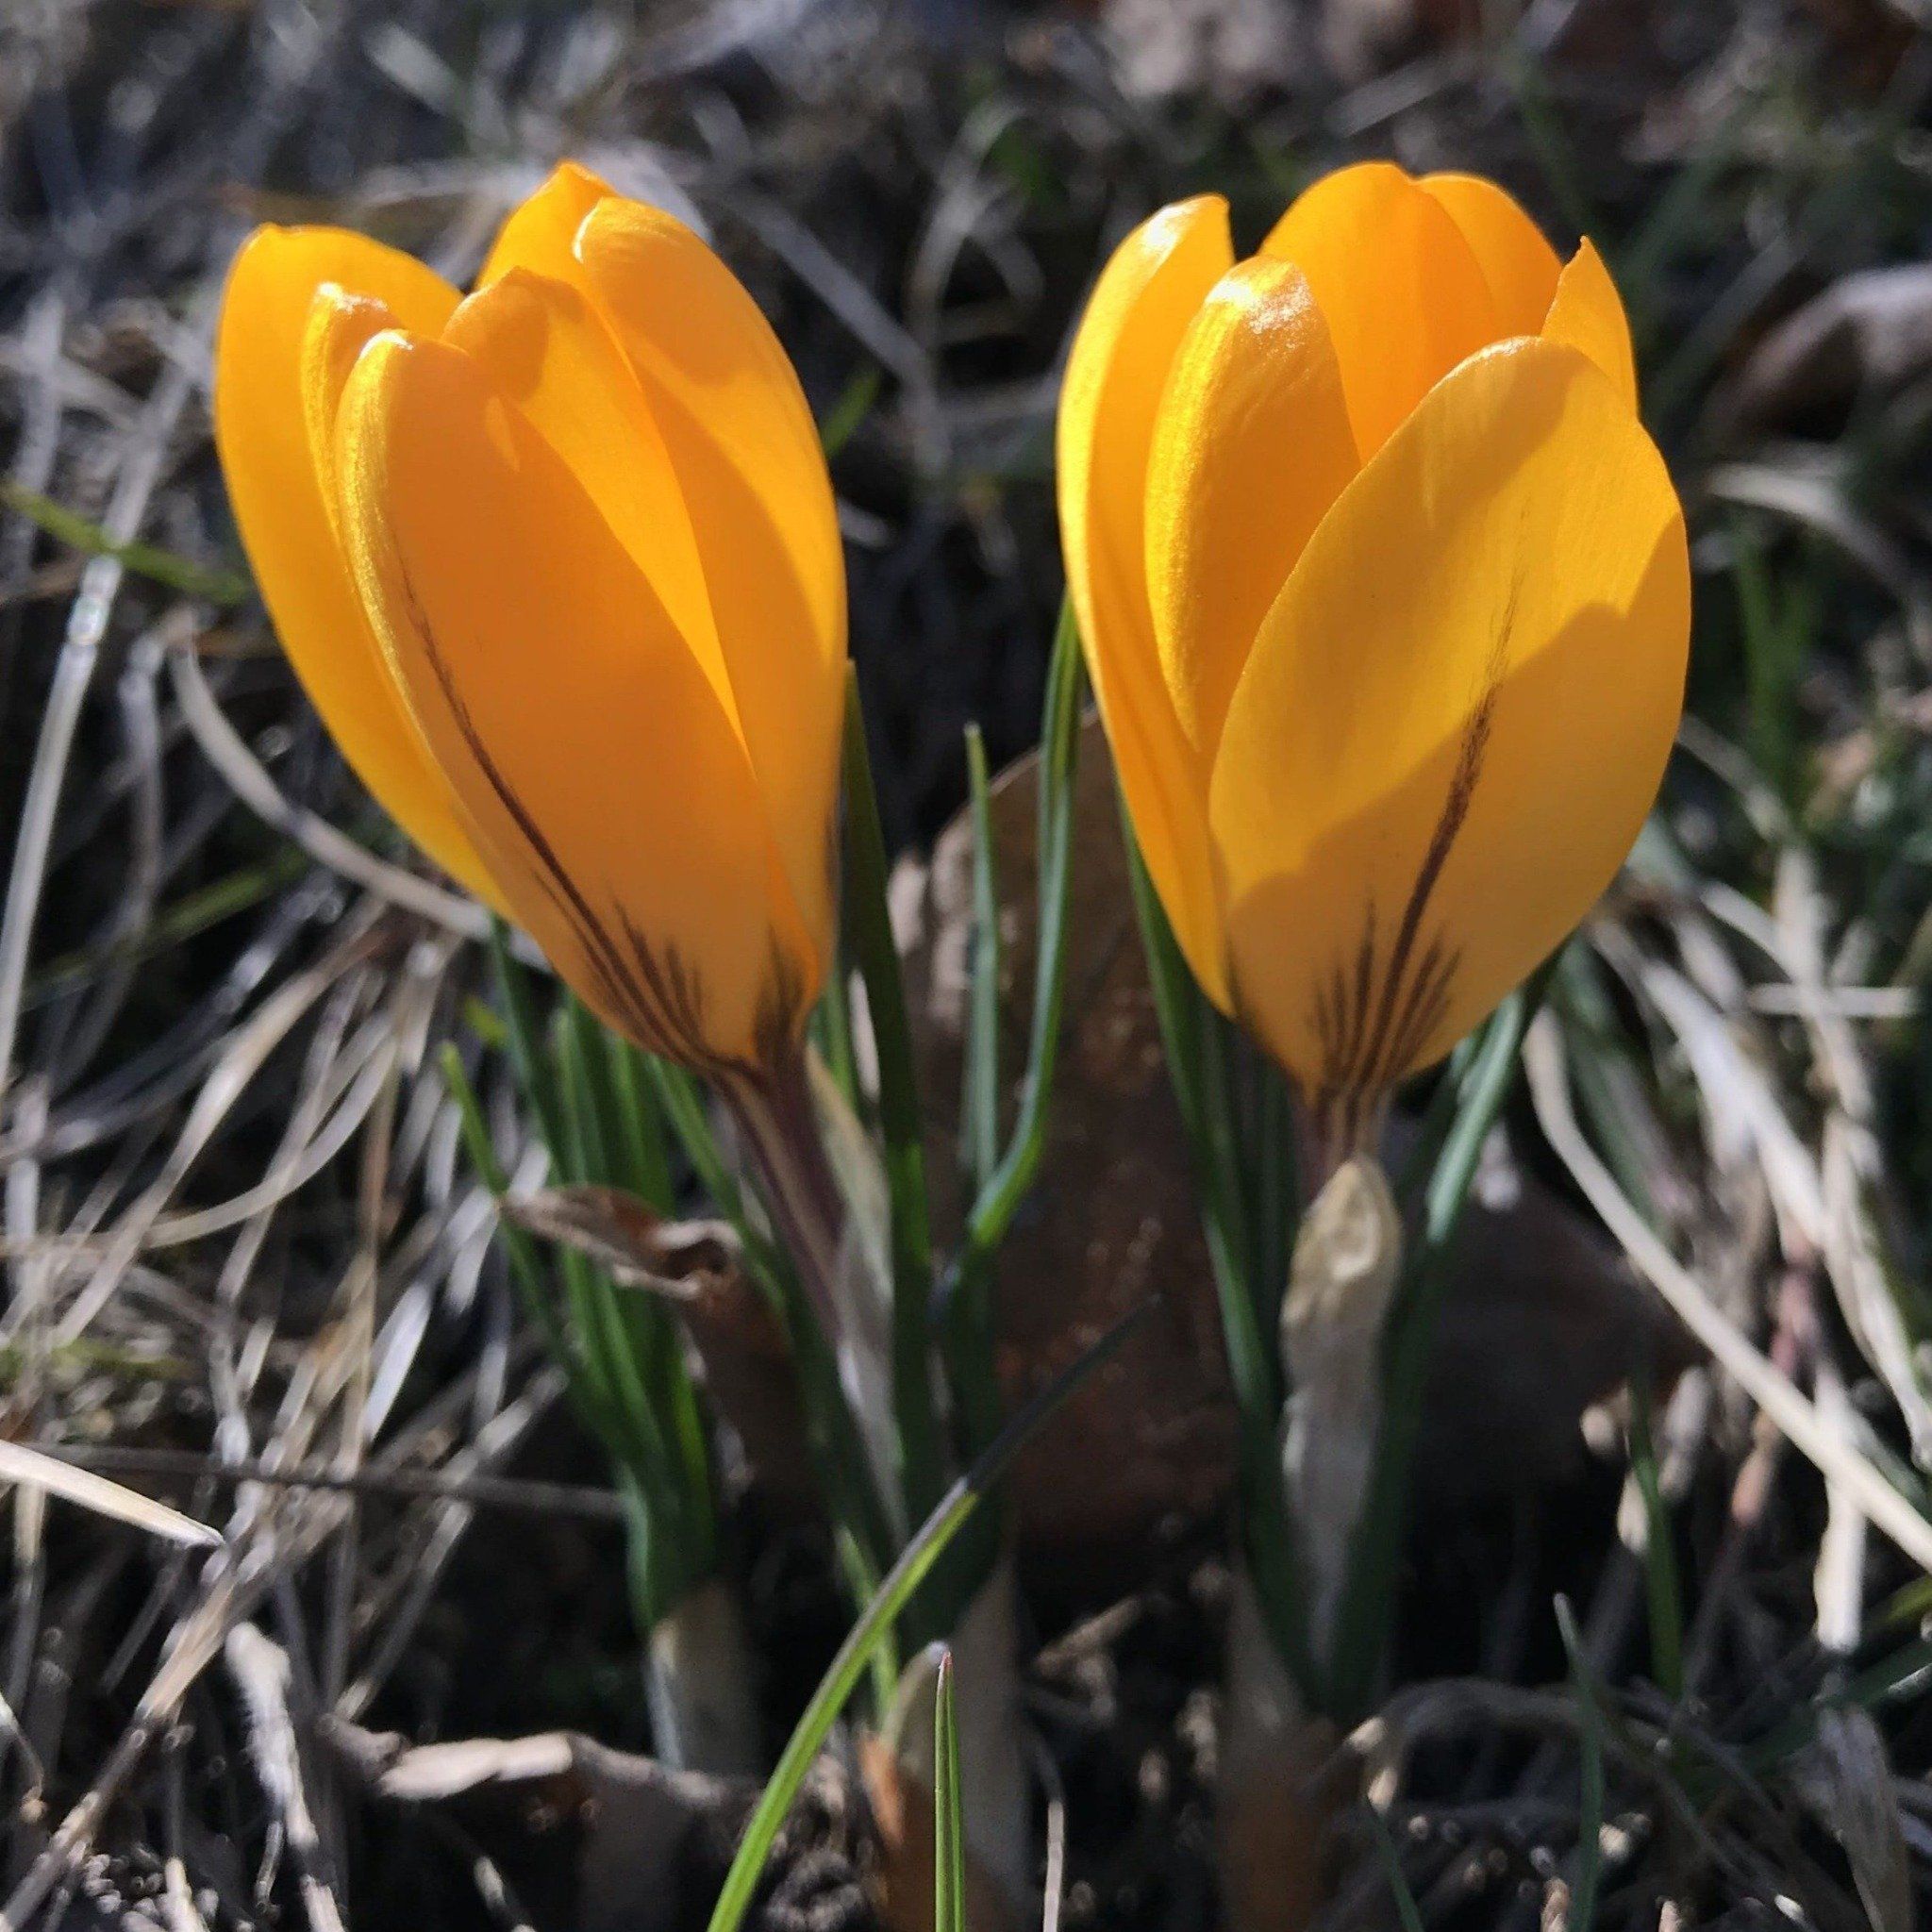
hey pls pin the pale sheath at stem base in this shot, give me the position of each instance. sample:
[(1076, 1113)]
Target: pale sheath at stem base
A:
[(1281, 1778), (700, 1686)]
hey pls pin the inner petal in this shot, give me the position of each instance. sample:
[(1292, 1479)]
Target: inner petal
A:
[(1404, 295), (1251, 447), (1519, 265)]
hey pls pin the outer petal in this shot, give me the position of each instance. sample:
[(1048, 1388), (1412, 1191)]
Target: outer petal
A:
[(1404, 299), (1140, 309), (261, 432), (1455, 719), (1251, 447), (586, 744), (746, 452), (1588, 313), (1517, 264)]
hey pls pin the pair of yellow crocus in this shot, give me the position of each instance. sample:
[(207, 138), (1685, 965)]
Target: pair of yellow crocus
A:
[(1383, 589)]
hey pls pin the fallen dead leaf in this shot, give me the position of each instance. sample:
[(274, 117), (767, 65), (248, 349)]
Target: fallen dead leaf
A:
[(1867, 331), (699, 1269), (593, 1840)]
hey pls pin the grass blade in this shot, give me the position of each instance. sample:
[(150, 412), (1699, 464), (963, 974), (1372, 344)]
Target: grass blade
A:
[(212, 585), (948, 1828), (979, 1104), (874, 1625), (869, 925), (999, 1199), (1659, 1553), (1590, 1822), (851, 1500), (1406, 1907)]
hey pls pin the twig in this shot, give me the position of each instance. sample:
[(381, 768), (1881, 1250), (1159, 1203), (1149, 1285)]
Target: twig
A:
[(582, 1500), (261, 1667)]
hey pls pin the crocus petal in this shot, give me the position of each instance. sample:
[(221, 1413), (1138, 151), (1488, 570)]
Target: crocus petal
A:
[(538, 232), (587, 745), (261, 432), (1519, 267), (1251, 447), (1404, 297), (1455, 718), (551, 353), (1588, 313), (341, 326), (1109, 401), (746, 453)]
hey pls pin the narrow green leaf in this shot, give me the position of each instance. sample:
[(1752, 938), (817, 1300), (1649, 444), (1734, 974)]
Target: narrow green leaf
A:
[(979, 1104), (850, 409), (874, 1625), (1000, 1198), (832, 1031), (1659, 1553), (1276, 1191), (590, 1108), (839, 1457), (644, 1166), (190, 915), (526, 1049), (1406, 1907), (226, 587), (869, 923), (1194, 1040), (1590, 1822), (949, 1835)]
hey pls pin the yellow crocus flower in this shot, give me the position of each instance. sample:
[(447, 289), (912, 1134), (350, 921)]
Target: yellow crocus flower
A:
[(1386, 598), (558, 564)]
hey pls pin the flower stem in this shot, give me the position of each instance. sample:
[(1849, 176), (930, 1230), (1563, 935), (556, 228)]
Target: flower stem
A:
[(778, 1122), (774, 1116)]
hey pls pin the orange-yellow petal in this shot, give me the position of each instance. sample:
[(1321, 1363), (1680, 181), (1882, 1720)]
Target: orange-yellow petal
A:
[(540, 231), (746, 453), (261, 432), (1251, 447), (1455, 719), (587, 745), (1519, 265), (1401, 289), (1110, 399), (1588, 313), (551, 353), (341, 326)]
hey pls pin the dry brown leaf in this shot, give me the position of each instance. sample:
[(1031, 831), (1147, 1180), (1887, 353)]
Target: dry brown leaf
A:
[(697, 1266), (1282, 1782), (1867, 330), (599, 1840), (592, 1839), (1845, 1781)]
